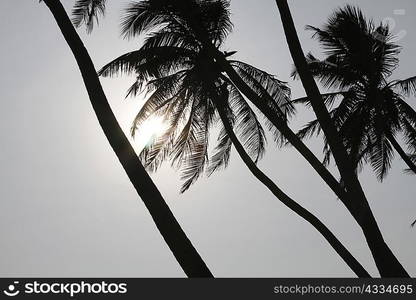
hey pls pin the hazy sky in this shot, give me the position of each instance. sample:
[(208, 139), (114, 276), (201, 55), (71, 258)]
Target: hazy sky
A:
[(68, 209)]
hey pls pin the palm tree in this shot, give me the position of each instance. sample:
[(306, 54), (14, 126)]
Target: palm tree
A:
[(360, 60), (353, 198), (183, 250), (387, 264), (188, 90)]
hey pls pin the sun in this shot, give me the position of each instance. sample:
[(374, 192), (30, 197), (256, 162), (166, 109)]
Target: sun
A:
[(149, 131)]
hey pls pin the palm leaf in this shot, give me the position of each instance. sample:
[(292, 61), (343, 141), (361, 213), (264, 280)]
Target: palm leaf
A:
[(248, 127), (167, 93), (329, 99), (142, 16), (168, 37), (222, 152), (264, 83), (197, 157), (148, 63), (86, 12), (160, 149), (407, 86), (381, 157)]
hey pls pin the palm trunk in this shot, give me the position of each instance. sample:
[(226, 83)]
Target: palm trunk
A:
[(386, 262), (402, 153), (176, 239), (348, 258)]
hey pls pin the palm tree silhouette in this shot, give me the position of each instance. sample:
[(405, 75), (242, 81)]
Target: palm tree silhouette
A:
[(189, 91), (181, 247), (372, 111), (351, 193), (356, 202)]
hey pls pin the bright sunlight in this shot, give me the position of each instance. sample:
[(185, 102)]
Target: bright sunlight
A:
[(148, 131)]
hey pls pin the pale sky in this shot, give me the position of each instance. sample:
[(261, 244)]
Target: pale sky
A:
[(67, 208)]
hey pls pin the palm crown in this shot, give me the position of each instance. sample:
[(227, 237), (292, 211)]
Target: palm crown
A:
[(186, 87), (371, 111)]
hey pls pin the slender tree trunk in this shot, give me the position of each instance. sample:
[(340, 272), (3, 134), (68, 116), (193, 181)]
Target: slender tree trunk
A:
[(354, 199), (348, 258), (386, 262), (402, 153), (385, 259), (178, 242)]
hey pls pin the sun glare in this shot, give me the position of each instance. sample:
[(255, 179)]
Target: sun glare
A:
[(149, 131)]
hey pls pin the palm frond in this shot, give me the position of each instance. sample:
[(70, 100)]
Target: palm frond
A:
[(381, 157), (215, 18), (167, 95), (148, 63), (329, 99), (354, 46), (157, 151), (86, 12), (310, 129), (346, 27), (160, 149), (333, 72), (208, 18), (168, 37), (142, 16), (181, 80), (125, 63), (222, 152), (406, 86), (197, 150), (360, 56), (409, 131), (186, 138), (247, 125), (264, 83)]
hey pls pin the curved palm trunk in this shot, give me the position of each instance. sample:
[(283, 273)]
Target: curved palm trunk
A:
[(354, 199), (402, 153), (350, 260), (179, 244), (386, 262)]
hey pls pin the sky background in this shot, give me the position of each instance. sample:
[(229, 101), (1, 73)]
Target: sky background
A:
[(68, 209)]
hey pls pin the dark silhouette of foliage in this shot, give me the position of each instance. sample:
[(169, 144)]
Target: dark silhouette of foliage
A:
[(355, 200), (180, 77), (353, 197), (188, 89), (86, 12), (370, 111)]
